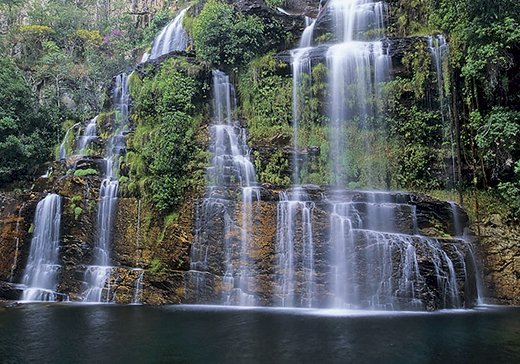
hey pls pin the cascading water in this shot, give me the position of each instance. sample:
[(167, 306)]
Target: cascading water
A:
[(374, 256), (97, 275), (87, 138), (294, 213), (357, 67), (376, 263), (439, 50), (231, 168), (138, 287), (172, 37), (63, 145), (42, 269), (308, 32), (295, 250)]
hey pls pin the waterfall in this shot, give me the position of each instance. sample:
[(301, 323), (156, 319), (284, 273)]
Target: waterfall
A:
[(87, 138), (295, 228), (41, 272), (308, 32), (294, 213), (171, 38), (97, 275), (439, 51), (17, 243), (376, 263), (138, 287), (63, 145), (231, 168), (356, 69), (373, 256)]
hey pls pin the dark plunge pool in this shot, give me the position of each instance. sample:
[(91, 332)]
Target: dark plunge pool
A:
[(72, 333)]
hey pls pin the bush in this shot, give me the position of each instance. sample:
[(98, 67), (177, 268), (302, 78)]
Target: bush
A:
[(223, 37), (498, 139)]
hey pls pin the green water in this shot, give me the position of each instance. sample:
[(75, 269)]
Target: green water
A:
[(71, 333)]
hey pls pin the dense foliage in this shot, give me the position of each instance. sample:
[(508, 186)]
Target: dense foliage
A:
[(224, 37), (481, 88), (485, 39), (163, 162), (59, 56), (26, 130), (58, 59)]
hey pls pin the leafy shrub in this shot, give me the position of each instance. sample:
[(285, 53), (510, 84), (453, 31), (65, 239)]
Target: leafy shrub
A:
[(222, 36), (498, 137), (510, 193), (77, 212)]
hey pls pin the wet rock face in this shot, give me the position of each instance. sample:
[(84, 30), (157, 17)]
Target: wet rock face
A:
[(499, 246), (159, 250), (150, 257), (9, 291), (152, 260), (16, 215), (382, 250), (306, 7)]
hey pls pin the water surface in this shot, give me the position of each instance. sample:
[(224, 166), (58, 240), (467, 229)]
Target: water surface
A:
[(73, 333)]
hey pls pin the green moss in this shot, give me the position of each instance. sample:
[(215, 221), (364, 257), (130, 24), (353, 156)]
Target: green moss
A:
[(275, 3), (76, 199), (412, 17), (85, 172), (91, 205), (265, 89), (74, 206), (134, 83), (156, 266), (69, 142), (170, 219), (323, 38), (418, 63), (187, 22), (105, 123)]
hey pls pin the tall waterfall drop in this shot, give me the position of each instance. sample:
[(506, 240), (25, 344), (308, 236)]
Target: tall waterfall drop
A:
[(41, 273), (294, 211), (230, 170), (439, 50), (97, 275), (356, 69), (358, 249), (171, 38)]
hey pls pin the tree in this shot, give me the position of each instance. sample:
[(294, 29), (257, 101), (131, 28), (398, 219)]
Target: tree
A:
[(25, 131)]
